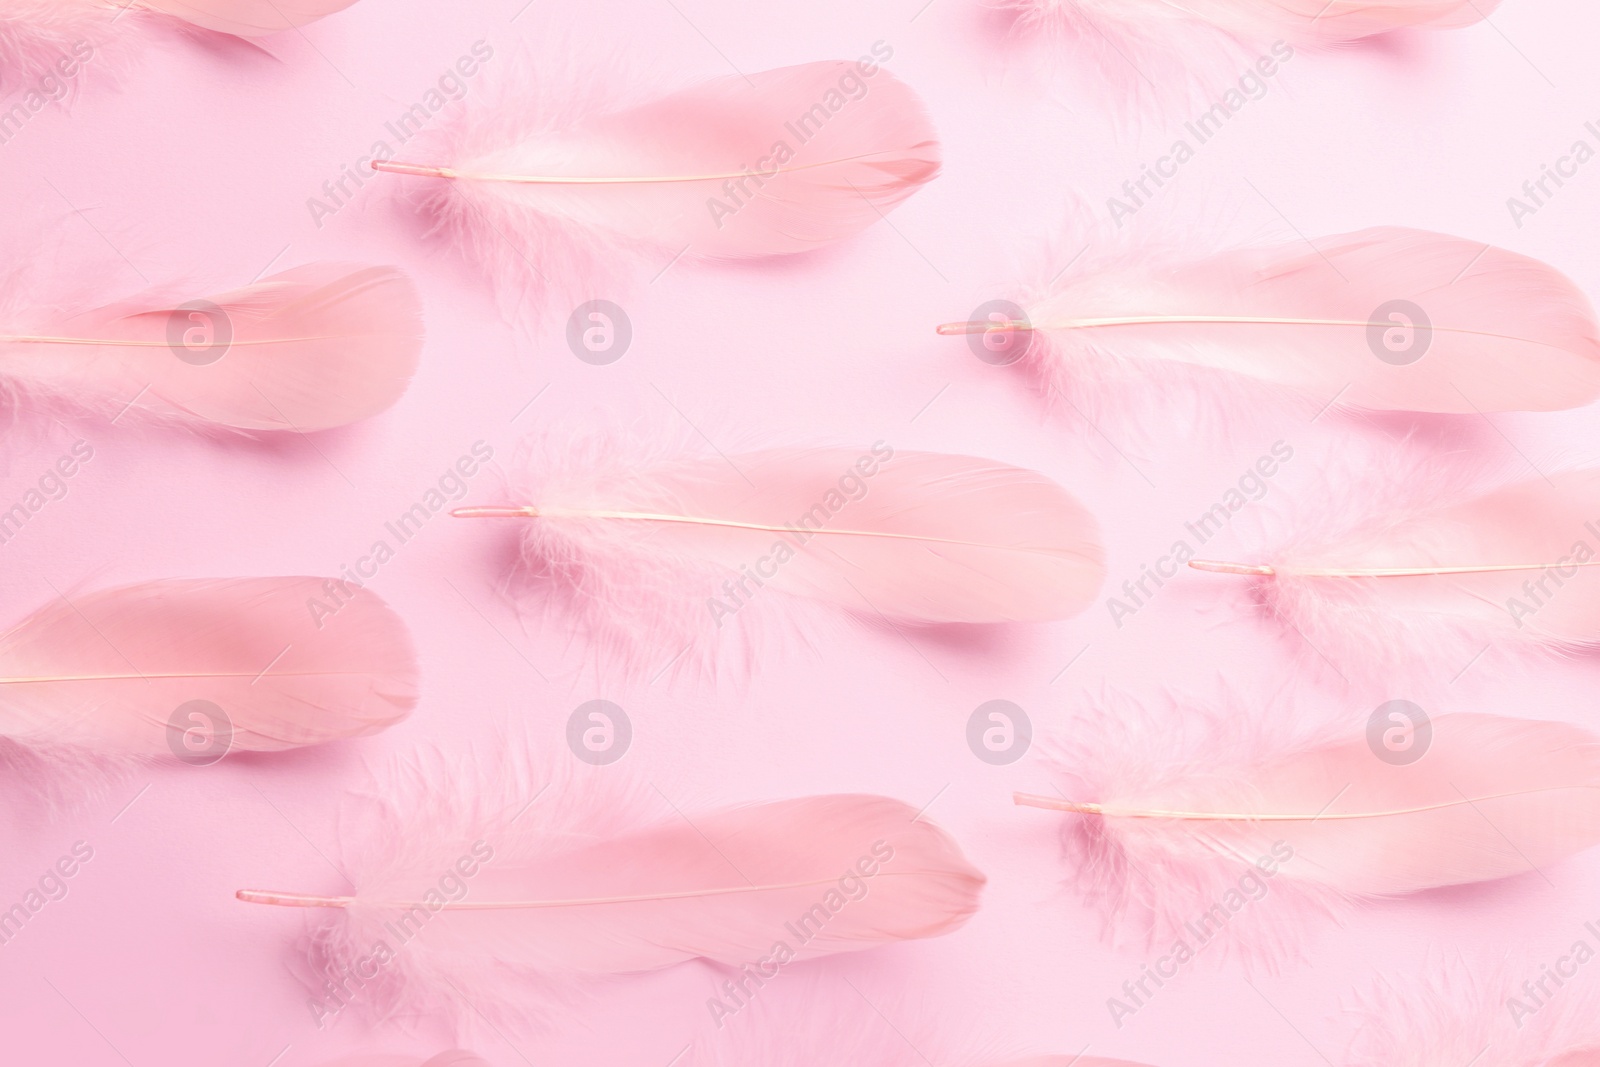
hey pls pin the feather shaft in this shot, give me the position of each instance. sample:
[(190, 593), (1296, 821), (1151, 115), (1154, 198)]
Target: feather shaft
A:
[(305, 900), (1032, 801), (420, 170), (1265, 571), (693, 520), (951, 329)]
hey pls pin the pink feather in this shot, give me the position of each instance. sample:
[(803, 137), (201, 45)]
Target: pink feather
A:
[(1335, 323), (36, 36), (555, 883), (1228, 826), (315, 347), (1454, 1015), (247, 18), (110, 673), (453, 1058), (1314, 23), (778, 162), (656, 544), (1514, 568)]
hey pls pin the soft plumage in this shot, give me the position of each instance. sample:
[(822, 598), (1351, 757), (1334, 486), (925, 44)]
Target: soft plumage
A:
[(545, 188), (1440, 578), (1243, 825), (1489, 1015), (1380, 319), (312, 348), (776, 1025), (657, 544), (490, 890), (1164, 24), (118, 673), (35, 35)]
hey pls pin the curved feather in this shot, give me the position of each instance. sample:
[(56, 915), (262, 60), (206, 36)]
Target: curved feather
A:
[(312, 348), (1305, 22), (911, 535), (1492, 797), (111, 672), (1514, 567), (1387, 319), (549, 896), (248, 18), (45, 42), (781, 161)]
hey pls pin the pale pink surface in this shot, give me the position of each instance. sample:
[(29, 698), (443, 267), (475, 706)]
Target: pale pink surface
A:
[(199, 164)]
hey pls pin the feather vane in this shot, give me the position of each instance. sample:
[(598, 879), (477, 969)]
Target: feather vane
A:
[(107, 672), (311, 348)]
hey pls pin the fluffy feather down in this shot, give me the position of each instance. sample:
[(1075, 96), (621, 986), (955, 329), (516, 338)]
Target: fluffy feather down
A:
[(312, 348), (918, 537), (1336, 324), (808, 1020), (499, 893), (1175, 823), (1330, 583), (1455, 1015), (110, 673), (538, 185)]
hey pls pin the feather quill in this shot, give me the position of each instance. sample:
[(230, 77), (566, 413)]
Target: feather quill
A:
[(781, 161), (37, 34), (1516, 568), (1381, 319), (1229, 820), (112, 673), (535, 887), (672, 544), (312, 348)]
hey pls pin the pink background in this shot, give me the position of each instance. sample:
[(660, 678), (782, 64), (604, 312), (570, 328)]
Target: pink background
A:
[(196, 164)]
